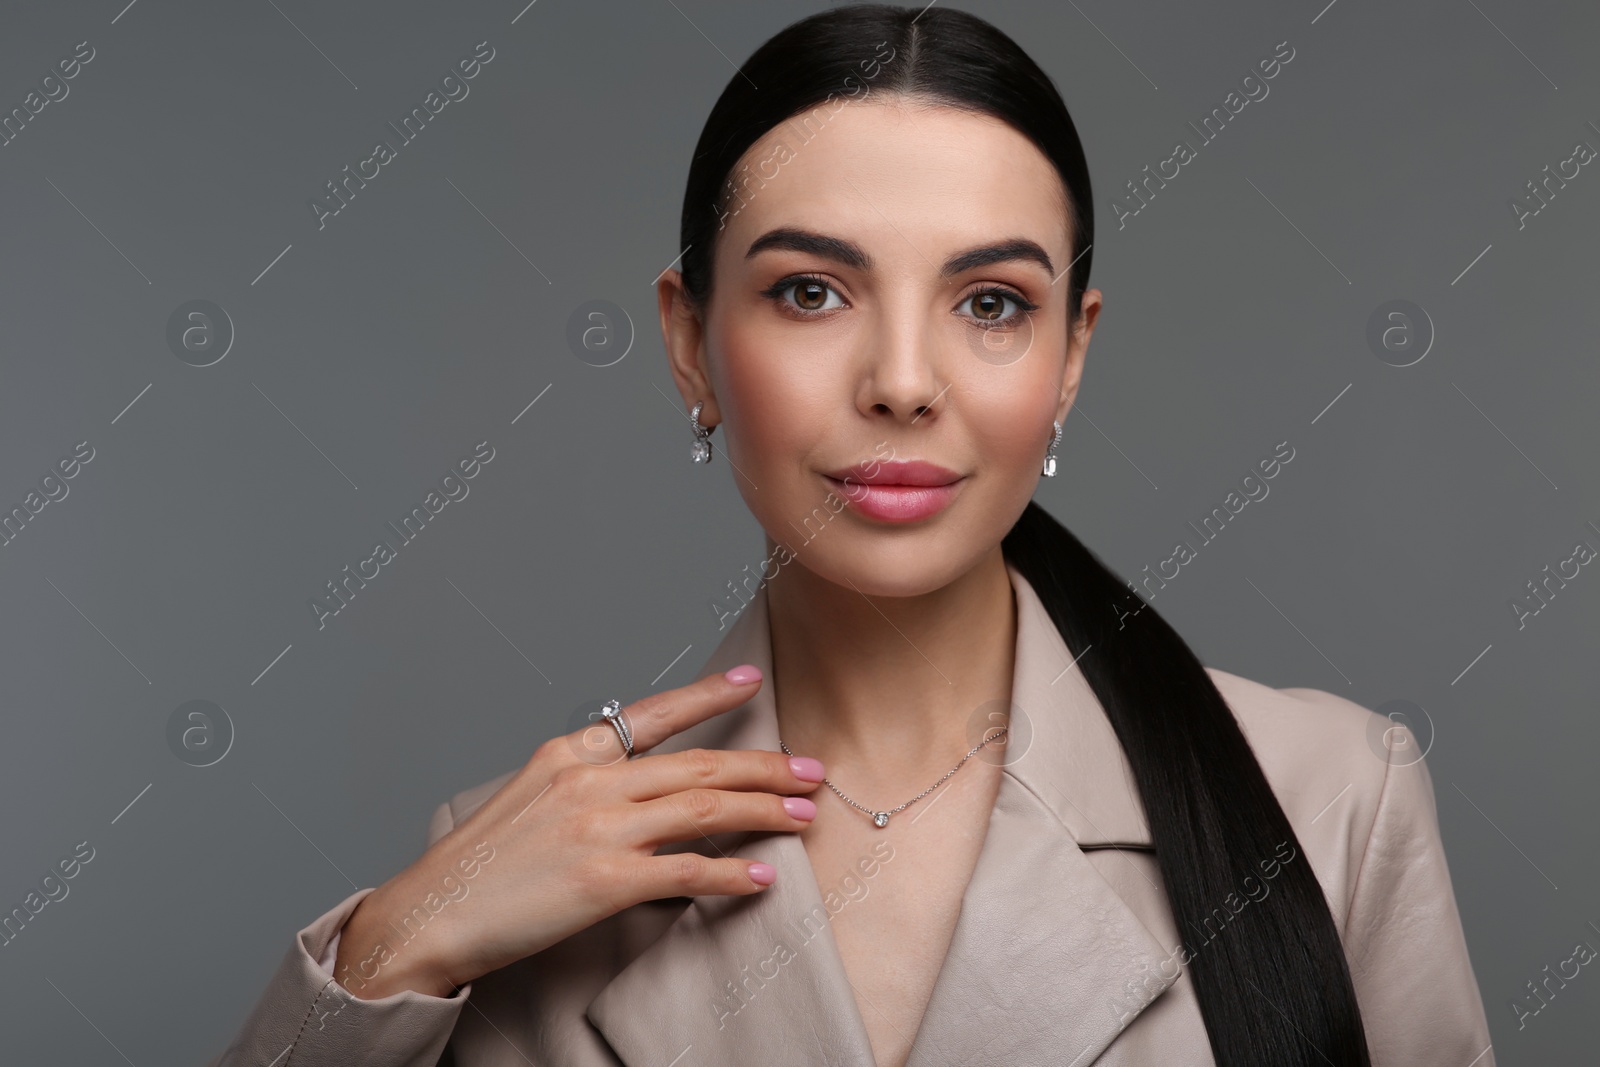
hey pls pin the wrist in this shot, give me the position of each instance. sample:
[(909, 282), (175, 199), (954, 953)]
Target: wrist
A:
[(382, 952)]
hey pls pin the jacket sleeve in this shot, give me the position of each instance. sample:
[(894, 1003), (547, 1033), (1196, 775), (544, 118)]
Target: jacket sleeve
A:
[(1419, 998), (306, 1019)]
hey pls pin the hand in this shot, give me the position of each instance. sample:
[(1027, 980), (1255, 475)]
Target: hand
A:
[(570, 839)]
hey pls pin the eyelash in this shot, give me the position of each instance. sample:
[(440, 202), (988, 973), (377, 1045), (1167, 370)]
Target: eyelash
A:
[(776, 293)]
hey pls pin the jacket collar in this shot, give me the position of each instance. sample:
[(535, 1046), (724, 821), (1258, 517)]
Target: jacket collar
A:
[(1047, 964)]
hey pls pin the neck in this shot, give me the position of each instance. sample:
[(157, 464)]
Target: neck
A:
[(890, 692)]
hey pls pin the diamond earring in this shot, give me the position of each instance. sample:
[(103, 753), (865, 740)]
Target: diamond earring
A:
[(1050, 454), (700, 451)]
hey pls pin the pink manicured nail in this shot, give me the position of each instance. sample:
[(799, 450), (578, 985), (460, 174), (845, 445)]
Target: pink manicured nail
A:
[(763, 873), (806, 769), (744, 674), (800, 807)]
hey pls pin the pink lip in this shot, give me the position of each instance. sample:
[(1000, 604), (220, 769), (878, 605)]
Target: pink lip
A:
[(900, 491), (913, 472)]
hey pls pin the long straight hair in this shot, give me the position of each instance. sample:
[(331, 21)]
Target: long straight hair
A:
[(1274, 988)]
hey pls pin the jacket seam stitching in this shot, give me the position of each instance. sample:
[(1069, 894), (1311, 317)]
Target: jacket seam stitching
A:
[(301, 1032)]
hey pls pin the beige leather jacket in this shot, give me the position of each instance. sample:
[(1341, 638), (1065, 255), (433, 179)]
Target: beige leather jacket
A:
[(1064, 951)]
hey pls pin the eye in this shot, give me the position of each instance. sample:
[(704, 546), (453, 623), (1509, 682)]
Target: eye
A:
[(811, 294), (988, 307)]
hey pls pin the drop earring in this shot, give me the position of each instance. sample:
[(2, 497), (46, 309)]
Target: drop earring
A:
[(1050, 454), (700, 451)]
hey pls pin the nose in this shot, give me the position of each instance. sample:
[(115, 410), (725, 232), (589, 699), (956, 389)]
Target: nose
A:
[(900, 378)]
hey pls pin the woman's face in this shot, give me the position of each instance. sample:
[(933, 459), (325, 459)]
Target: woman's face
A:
[(892, 290)]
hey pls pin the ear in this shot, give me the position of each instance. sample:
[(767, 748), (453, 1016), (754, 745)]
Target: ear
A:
[(684, 335), (1078, 350)]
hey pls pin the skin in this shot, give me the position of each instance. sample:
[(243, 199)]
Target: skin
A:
[(889, 642), (888, 638)]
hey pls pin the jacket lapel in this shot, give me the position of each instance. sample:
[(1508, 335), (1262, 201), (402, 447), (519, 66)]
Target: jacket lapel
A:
[(1047, 964)]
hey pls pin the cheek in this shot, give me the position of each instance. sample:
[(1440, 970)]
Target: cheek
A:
[(773, 421), (1004, 434), (775, 403), (1008, 414)]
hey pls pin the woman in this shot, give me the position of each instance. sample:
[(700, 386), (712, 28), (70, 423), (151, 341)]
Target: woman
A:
[(1049, 835)]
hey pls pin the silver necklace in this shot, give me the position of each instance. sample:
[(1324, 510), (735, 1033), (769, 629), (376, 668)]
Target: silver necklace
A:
[(880, 819)]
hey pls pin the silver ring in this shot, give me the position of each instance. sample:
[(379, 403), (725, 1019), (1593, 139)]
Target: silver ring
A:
[(612, 711)]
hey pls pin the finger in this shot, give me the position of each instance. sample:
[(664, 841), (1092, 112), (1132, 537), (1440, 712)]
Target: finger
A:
[(689, 874), (760, 769), (658, 716), (696, 813)]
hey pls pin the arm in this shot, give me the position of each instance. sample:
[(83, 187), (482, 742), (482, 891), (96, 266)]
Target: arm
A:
[(1408, 956), (306, 1019)]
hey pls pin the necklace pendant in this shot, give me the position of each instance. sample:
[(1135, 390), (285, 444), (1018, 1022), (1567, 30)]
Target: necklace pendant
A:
[(880, 819)]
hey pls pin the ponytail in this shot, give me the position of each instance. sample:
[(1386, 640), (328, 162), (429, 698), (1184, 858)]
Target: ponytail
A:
[(1276, 989)]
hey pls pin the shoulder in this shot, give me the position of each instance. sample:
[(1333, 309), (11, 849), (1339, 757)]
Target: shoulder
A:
[(1359, 795), (1333, 765), (1310, 738)]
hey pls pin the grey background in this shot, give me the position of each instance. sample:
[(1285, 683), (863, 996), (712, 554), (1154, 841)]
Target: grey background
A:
[(433, 310)]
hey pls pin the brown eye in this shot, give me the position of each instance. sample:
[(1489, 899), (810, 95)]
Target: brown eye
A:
[(989, 305), (810, 295)]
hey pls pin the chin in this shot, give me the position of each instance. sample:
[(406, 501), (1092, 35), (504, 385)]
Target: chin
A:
[(896, 567)]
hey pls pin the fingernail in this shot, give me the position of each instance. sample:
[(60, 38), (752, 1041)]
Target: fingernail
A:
[(800, 807), (806, 769), (744, 674), (763, 873)]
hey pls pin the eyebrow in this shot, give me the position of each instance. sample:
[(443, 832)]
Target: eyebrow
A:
[(851, 254)]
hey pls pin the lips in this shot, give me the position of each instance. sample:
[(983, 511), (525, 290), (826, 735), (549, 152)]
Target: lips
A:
[(901, 491), (902, 472)]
